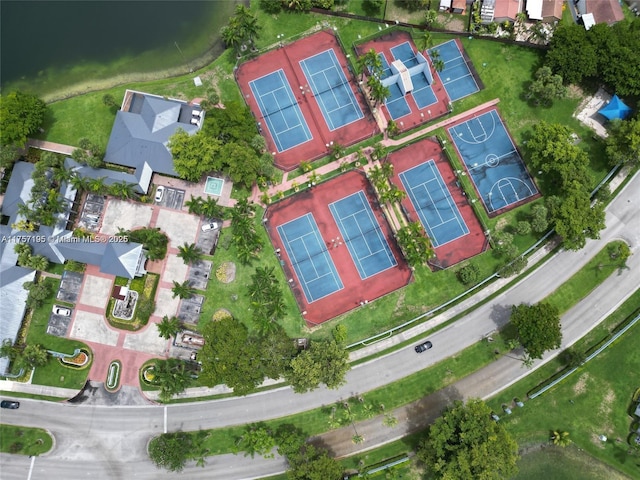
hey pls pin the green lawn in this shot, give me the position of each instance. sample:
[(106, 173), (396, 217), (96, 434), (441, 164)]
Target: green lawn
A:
[(564, 463), (594, 400), (54, 373), (24, 440)]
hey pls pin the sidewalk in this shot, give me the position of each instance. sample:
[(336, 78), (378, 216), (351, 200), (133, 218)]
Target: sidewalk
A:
[(62, 393)]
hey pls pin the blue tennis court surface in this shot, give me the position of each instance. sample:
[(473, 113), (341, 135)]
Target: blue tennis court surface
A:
[(492, 160), (331, 88), (362, 235), (456, 76), (422, 91), (280, 110), (433, 203), (309, 257)]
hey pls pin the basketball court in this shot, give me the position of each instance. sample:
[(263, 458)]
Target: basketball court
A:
[(493, 162)]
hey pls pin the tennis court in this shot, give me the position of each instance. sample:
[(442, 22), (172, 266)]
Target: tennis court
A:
[(280, 110), (456, 76), (309, 257), (405, 53), (491, 158), (331, 89), (362, 235), (433, 203)]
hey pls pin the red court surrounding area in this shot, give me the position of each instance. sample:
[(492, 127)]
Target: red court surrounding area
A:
[(287, 58), (356, 290), (463, 247), (383, 44)]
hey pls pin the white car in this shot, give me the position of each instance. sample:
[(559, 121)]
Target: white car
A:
[(210, 226), (62, 311), (159, 193)]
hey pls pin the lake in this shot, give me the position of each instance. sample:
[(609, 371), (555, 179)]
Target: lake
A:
[(50, 45)]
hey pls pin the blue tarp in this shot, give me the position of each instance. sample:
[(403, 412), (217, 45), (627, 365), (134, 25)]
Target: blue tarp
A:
[(615, 109)]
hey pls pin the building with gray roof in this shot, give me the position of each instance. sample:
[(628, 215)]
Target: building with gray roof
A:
[(143, 127)]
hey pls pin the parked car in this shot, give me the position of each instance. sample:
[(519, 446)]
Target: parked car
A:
[(10, 404), (210, 226), (423, 347), (62, 311), (159, 193)]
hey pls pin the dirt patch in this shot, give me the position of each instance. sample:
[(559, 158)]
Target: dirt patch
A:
[(605, 405), (574, 91), (581, 385), (221, 314), (226, 272)]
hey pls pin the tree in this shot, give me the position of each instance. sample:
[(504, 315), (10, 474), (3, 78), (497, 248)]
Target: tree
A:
[(276, 351), (272, 7), (415, 244), (172, 376), (413, 5), (538, 327), (539, 222), (123, 189), (546, 87), (570, 53), (21, 115), (168, 327), (9, 350), (623, 142), (257, 439), (370, 63), (171, 450), (242, 163), (183, 290), (32, 356), (189, 253), (311, 463), (430, 17), (229, 356), (324, 362), (466, 443), (38, 293), (38, 262), (372, 7), (425, 41), (267, 299), (8, 155), (109, 101), (469, 274), (194, 155), (560, 438), (289, 439)]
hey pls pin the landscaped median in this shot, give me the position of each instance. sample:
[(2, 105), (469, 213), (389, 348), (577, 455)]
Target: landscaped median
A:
[(381, 402), (24, 440)]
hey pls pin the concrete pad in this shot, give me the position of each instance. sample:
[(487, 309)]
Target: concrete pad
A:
[(96, 291), (127, 215), (179, 226), (165, 305), (148, 341), (93, 327), (175, 269)]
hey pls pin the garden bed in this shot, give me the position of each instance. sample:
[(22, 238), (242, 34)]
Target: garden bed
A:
[(80, 360), (113, 376)]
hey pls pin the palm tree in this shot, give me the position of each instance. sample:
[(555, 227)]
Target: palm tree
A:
[(560, 438), (232, 35), (379, 92), (430, 16), (62, 175), (171, 376), (96, 185), (78, 182), (248, 23), (387, 169), (38, 262), (211, 209), (194, 204), (169, 327), (123, 189), (425, 41), (438, 65), (189, 253), (183, 290), (379, 152)]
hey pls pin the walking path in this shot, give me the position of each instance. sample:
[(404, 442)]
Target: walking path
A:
[(50, 146), (302, 180)]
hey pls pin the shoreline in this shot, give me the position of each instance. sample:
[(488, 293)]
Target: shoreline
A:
[(76, 89)]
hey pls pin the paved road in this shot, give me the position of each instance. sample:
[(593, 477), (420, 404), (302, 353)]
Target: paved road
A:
[(109, 443)]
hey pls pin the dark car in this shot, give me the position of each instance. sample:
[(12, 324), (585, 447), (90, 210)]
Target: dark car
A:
[(10, 404), (423, 347)]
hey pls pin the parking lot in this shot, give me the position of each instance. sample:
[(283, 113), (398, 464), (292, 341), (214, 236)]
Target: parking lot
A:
[(189, 311), (208, 240), (58, 324), (91, 212), (199, 274), (69, 287), (172, 198)]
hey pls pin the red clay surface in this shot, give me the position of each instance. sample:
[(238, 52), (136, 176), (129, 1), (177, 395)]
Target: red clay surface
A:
[(287, 58), (383, 44), (355, 290), (464, 247), (471, 115)]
